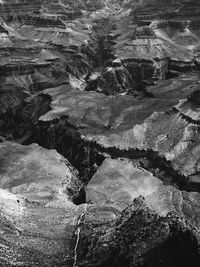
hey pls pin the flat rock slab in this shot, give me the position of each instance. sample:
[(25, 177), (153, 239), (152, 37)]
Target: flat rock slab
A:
[(25, 169), (94, 112), (118, 182)]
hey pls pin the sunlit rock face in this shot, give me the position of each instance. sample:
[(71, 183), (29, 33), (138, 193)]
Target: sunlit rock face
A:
[(41, 226), (37, 216), (99, 133), (119, 182)]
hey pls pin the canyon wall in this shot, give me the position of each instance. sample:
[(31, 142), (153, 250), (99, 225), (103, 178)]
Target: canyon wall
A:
[(99, 133)]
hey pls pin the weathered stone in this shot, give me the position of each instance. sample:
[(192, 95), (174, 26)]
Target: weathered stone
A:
[(36, 214), (138, 238), (99, 82)]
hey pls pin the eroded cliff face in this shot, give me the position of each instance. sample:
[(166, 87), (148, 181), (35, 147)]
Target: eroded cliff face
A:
[(99, 128), (44, 44)]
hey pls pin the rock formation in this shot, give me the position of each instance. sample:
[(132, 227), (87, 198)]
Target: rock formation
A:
[(99, 133)]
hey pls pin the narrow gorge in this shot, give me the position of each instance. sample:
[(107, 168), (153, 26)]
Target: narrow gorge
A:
[(100, 133)]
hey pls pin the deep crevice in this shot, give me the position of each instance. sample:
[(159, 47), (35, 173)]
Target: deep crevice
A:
[(22, 125)]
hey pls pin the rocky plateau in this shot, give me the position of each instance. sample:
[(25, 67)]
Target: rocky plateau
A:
[(100, 133)]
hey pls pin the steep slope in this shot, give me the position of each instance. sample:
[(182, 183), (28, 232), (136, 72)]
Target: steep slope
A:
[(43, 46)]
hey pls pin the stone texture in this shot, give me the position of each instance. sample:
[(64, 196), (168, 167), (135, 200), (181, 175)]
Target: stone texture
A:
[(37, 216), (139, 237), (44, 44), (112, 86), (118, 183)]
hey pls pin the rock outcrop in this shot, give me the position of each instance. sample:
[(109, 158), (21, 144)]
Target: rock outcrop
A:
[(37, 216), (41, 226), (138, 238), (99, 133), (118, 182)]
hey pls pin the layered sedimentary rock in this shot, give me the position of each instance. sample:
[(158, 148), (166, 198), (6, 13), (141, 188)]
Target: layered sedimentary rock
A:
[(122, 122), (44, 44), (101, 102)]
